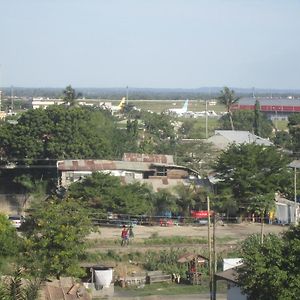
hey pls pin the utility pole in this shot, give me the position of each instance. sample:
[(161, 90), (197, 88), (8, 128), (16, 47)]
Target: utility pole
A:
[(12, 98), (127, 95), (206, 120), (209, 250), (295, 196), (214, 259)]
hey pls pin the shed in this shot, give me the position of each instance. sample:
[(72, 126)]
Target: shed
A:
[(234, 291), (195, 264)]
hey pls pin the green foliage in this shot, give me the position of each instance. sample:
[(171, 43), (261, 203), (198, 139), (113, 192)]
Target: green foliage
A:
[(283, 139), (197, 155), (165, 201), (247, 120), (55, 238), (106, 193), (69, 96), (271, 268), (294, 130), (228, 98), (173, 240), (60, 133), (196, 128), (249, 171), (14, 289), (165, 261), (158, 135), (9, 240), (262, 203)]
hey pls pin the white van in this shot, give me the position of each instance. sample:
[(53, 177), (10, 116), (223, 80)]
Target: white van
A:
[(16, 220)]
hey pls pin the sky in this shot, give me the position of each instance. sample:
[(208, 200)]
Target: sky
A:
[(150, 43)]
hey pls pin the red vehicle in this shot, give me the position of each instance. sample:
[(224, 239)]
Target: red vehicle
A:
[(166, 222), (201, 214)]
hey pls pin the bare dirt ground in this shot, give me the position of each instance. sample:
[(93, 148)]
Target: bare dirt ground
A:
[(234, 231)]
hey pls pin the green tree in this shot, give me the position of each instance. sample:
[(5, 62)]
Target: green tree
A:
[(257, 117), (249, 170), (271, 270), (294, 130), (228, 98), (245, 120), (9, 240), (69, 96), (261, 204), (106, 193), (14, 289), (60, 133), (186, 195), (283, 139), (55, 236), (165, 201)]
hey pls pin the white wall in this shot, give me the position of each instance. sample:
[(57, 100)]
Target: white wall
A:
[(234, 293)]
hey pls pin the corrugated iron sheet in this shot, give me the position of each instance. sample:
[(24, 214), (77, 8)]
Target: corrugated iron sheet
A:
[(150, 158), (100, 165)]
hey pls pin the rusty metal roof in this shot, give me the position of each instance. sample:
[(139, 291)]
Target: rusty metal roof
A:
[(64, 289), (229, 275), (149, 158), (101, 165), (190, 256)]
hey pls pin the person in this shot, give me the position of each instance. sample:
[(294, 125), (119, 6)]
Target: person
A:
[(131, 234), (124, 236)]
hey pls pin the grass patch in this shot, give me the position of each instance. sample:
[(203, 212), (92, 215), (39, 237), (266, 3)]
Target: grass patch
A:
[(163, 289), (174, 240), (281, 124), (181, 240)]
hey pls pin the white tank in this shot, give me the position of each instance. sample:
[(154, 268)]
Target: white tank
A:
[(103, 277)]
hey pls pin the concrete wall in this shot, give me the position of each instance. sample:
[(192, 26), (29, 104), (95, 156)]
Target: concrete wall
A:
[(13, 203)]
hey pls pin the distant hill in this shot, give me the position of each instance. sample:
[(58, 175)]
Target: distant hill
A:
[(147, 93)]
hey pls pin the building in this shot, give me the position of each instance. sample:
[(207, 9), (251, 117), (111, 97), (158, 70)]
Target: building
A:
[(159, 171), (274, 108), (223, 138), (234, 291), (44, 103), (285, 210)]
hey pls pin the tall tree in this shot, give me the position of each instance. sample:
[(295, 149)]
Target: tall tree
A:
[(104, 193), (249, 170), (271, 270), (244, 120), (257, 117), (69, 96), (55, 236), (294, 130), (9, 240), (228, 98)]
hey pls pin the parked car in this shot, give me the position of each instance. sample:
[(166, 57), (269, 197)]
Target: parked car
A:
[(16, 220)]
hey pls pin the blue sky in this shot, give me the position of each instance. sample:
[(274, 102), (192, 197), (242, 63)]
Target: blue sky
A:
[(150, 43)]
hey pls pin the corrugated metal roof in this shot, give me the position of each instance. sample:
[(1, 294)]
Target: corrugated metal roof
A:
[(154, 158), (270, 101), (100, 165), (229, 275), (295, 164), (242, 137)]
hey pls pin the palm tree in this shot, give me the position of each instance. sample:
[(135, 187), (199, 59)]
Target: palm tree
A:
[(228, 98), (69, 96), (14, 289)]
